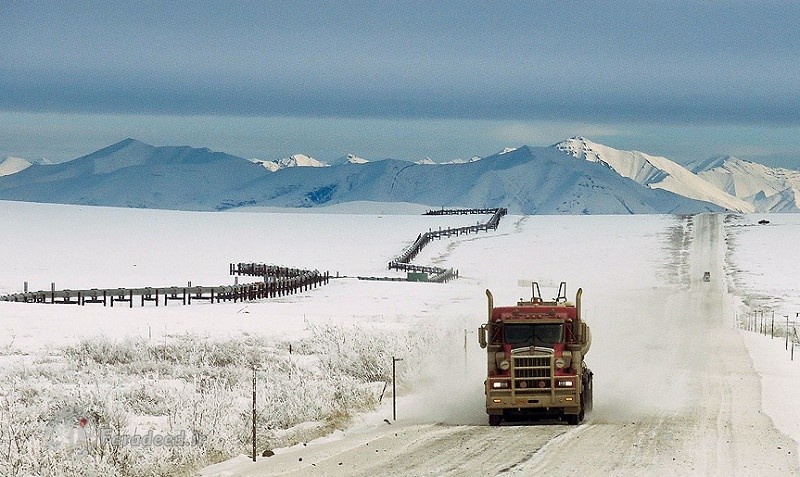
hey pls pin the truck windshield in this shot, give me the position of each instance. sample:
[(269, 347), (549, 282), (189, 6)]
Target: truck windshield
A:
[(533, 335)]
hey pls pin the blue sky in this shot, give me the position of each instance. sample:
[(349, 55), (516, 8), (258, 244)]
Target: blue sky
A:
[(401, 79)]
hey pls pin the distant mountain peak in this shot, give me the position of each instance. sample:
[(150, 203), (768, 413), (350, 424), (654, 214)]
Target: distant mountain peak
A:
[(426, 162), (580, 147), (769, 189), (12, 165), (713, 163), (271, 166), (655, 172), (301, 160), (295, 160), (349, 159), (353, 159), (41, 161), (129, 142)]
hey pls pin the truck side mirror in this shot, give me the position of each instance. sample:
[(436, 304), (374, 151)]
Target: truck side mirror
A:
[(482, 336)]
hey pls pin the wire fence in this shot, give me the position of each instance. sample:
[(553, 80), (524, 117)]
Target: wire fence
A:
[(775, 325)]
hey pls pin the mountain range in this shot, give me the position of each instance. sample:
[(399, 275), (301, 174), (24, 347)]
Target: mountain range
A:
[(575, 176)]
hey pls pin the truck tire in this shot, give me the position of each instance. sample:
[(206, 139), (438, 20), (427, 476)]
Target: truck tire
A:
[(495, 419), (587, 391), (573, 419)]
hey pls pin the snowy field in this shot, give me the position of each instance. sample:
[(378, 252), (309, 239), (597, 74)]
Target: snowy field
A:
[(174, 368)]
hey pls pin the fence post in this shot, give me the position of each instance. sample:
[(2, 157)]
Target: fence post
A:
[(254, 413)]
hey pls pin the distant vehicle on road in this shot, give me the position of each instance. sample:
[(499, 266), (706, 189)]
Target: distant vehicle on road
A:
[(707, 277)]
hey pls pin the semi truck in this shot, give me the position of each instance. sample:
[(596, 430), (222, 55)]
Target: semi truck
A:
[(535, 359)]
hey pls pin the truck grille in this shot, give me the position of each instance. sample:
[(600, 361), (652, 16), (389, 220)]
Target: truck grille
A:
[(532, 374), (531, 367)]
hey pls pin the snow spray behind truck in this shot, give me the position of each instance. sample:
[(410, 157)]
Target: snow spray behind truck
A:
[(535, 354)]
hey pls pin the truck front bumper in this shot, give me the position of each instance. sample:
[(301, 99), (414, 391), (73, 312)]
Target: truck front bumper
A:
[(560, 401)]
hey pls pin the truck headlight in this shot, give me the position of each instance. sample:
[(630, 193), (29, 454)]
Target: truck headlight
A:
[(499, 384), (560, 363), (504, 365), (565, 383)]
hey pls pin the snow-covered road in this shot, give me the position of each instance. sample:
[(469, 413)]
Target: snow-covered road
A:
[(686, 401)]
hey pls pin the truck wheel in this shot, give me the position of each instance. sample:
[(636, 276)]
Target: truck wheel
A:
[(573, 419), (494, 419)]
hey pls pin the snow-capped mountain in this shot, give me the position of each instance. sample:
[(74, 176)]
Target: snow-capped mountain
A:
[(654, 172), (769, 189), (300, 160), (131, 173), (12, 165), (349, 159), (462, 161), (271, 166), (295, 160), (426, 162), (572, 177), (430, 161), (526, 180)]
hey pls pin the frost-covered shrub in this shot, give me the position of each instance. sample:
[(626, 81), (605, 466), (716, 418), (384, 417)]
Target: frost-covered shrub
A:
[(193, 350), (366, 353), (101, 350), (195, 385), (152, 398)]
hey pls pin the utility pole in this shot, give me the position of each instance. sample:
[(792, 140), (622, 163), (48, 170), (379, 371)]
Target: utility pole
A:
[(466, 361), (394, 388), (254, 413), (787, 332)]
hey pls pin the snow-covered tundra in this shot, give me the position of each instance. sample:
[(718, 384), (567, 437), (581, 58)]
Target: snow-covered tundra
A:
[(680, 386)]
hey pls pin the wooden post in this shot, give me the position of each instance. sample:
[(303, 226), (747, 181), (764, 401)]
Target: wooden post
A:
[(394, 388), (254, 413)]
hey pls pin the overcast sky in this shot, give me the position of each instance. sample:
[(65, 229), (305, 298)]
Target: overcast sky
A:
[(401, 79)]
